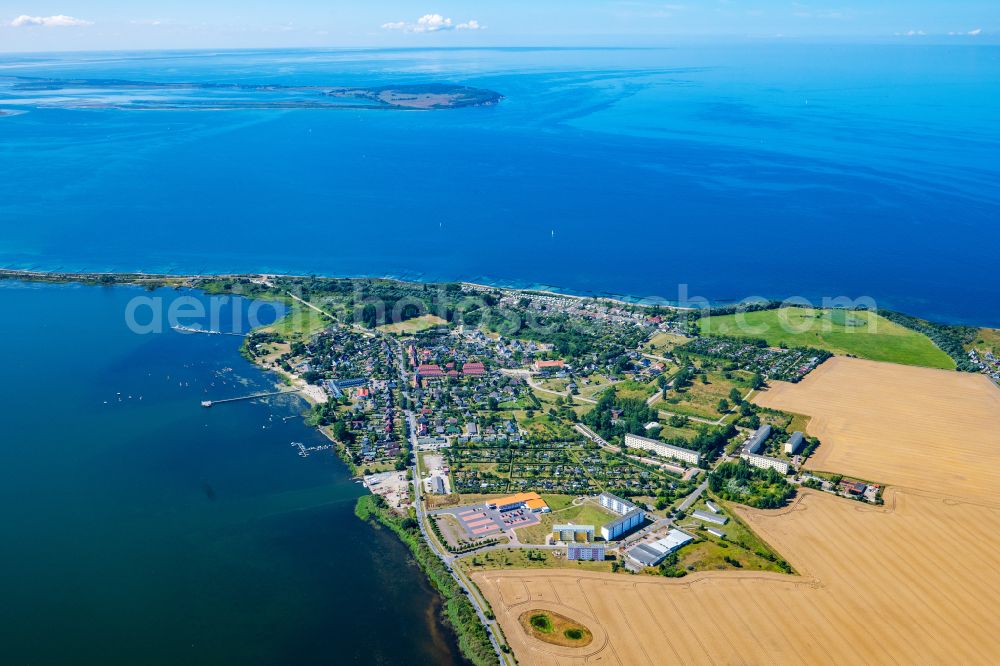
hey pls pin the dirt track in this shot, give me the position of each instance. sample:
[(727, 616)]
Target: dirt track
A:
[(914, 581)]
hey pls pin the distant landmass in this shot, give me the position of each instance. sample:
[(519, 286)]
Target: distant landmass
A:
[(148, 95)]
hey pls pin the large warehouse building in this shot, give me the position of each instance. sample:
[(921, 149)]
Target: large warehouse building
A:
[(651, 554), (531, 501)]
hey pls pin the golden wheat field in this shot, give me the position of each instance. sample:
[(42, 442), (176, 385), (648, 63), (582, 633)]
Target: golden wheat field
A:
[(911, 582), (934, 430)]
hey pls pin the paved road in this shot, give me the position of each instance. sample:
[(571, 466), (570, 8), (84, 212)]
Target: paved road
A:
[(539, 387), (479, 604), (693, 497), (604, 444)]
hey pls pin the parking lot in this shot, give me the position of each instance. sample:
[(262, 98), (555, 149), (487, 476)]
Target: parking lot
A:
[(480, 521)]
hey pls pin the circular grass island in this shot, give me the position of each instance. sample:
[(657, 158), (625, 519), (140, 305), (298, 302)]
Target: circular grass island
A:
[(555, 628)]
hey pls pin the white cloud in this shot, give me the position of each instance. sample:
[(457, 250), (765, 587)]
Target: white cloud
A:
[(975, 32), (433, 23), (57, 21)]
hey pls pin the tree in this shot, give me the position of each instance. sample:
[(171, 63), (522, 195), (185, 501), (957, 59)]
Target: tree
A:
[(723, 406), (735, 397), (757, 382)]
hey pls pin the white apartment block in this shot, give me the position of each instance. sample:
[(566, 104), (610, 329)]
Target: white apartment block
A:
[(665, 450)]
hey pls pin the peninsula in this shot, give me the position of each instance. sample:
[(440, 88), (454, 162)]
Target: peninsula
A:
[(120, 94), (555, 461)]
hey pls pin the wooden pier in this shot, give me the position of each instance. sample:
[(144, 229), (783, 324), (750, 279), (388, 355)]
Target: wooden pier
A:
[(211, 403)]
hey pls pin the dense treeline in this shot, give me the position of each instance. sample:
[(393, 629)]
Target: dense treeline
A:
[(951, 339), (473, 639), (632, 415), (720, 310), (760, 488)]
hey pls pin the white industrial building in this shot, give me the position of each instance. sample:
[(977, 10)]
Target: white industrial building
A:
[(665, 450), (651, 554), (707, 517)]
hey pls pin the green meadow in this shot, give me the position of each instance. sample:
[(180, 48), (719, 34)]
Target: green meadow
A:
[(856, 333)]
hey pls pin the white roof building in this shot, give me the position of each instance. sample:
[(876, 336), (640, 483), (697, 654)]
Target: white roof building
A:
[(651, 554)]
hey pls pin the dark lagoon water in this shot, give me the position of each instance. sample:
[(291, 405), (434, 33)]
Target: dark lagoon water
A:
[(753, 169), (140, 528)]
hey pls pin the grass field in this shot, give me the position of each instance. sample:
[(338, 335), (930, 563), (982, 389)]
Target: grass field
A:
[(299, 322), (786, 420), (597, 384), (630, 388), (582, 514), (555, 628), (557, 502), (878, 339), (414, 325), (987, 339), (910, 582), (663, 342), (741, 544), (701, 399), (542, 425)]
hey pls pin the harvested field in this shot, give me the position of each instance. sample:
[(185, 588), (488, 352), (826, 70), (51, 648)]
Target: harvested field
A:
[(911, 582), (934, 430)]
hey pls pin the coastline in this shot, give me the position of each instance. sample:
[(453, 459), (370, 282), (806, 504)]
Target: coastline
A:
[(456, 608), (169, 279), (181, 279)]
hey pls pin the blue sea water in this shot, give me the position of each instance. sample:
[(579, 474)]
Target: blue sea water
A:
[(141, 528), (753, 169)]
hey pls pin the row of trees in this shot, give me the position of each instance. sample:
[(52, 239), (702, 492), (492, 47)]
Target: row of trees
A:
[(760, 488), (951, 339)]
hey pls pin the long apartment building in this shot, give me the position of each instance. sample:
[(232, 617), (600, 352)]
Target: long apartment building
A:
[(666, 450), (757, 439), (764, 462), (631, 516)]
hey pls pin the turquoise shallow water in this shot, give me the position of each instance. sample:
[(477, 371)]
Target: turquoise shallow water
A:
[(750, 169), (155, 531)]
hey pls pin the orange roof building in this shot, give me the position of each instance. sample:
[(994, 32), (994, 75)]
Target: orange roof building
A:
[(532, 501)]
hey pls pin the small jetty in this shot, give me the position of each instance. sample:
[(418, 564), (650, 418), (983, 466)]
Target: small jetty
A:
[(211, 403), (304, 450), (188, 329)]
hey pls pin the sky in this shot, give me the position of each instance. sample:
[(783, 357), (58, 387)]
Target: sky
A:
[(68, 25)]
